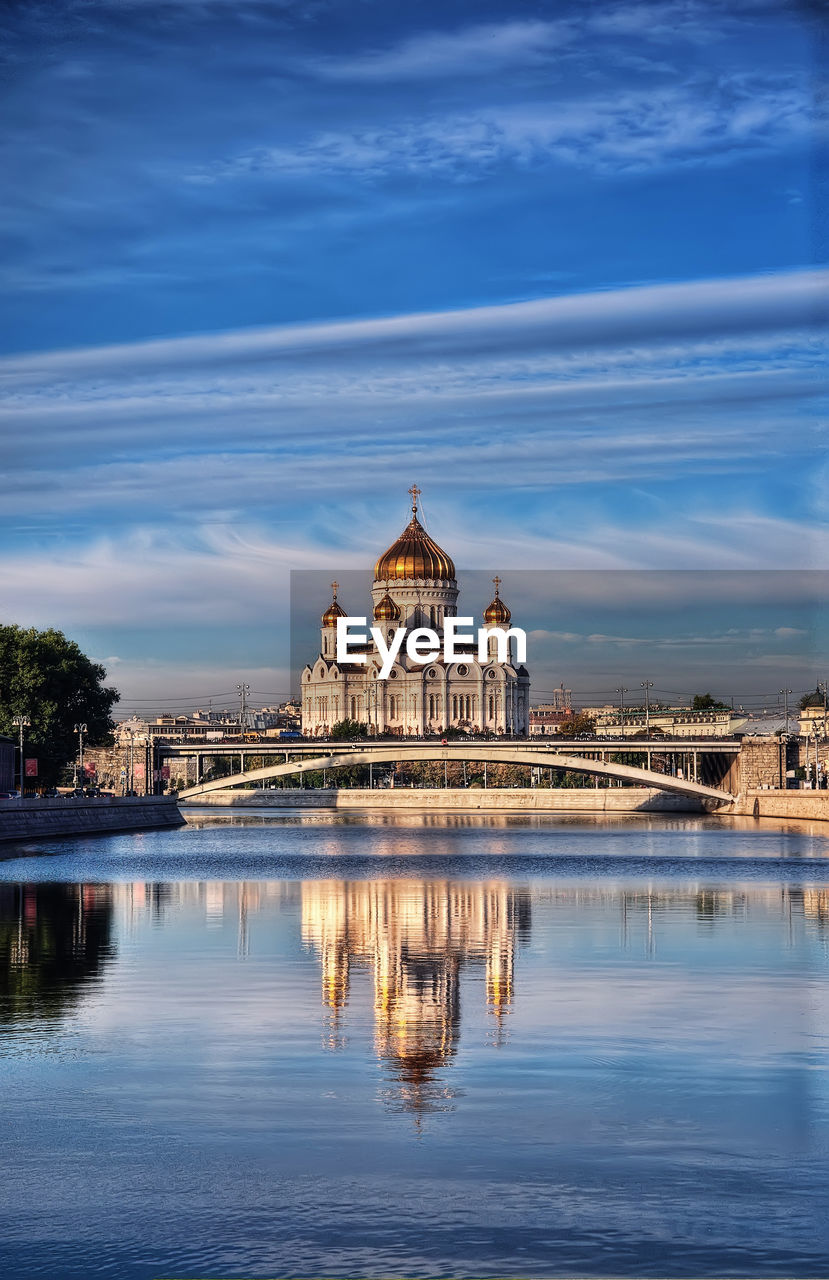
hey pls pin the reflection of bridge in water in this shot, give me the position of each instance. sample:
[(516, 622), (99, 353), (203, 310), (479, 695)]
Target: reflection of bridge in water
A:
[(694, 769), (415, 938)]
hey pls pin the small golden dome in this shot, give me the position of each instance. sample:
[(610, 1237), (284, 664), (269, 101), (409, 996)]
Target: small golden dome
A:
[(386, 610), (415, 555), (497, 614), (334, 610)]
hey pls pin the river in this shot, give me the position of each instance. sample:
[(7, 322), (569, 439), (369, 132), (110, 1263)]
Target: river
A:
[(299, 1045)]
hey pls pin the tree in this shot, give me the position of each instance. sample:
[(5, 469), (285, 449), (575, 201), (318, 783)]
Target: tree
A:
[(577, 725), (348, 731), (46, 677), (705, 702)]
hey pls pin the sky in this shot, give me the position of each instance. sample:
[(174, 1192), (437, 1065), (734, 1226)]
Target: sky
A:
[(265, 264)]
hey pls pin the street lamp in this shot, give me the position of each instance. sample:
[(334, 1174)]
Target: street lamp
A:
[(647, 685), (785, 693), (80, 730), (21, 722), (622, 690), (129, 764)]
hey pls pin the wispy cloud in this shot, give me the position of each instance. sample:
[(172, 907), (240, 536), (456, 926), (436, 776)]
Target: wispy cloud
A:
[(476, 50), (692, 380), (694, 124), (772, 302)]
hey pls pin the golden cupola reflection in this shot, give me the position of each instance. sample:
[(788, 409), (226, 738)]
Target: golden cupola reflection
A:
[(414, 556), (386, 610), (334, 610), (415, 938), (497, 614)]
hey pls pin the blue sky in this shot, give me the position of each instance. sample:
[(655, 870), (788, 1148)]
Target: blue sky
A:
[(265, 264)]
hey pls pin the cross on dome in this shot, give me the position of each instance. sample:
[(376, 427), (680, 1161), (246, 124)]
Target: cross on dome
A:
[(497, 582), (415, 492)]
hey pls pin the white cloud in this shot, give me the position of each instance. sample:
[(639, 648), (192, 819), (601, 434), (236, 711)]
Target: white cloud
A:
[(660, 312), (628, 130), (468, 51)]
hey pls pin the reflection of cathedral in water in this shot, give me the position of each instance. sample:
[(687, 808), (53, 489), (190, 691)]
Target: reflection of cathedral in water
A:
[(415, 937)]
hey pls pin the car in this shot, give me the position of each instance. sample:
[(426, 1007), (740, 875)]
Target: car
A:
[(51, 793), (9, 795)]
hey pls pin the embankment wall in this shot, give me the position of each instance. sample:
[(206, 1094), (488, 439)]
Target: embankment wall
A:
[(549, 800), (781, 804), (45, 819)]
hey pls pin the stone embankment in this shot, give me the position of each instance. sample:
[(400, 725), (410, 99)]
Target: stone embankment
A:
[(504, 799), (769, 803), (761, 803), (47, 819)]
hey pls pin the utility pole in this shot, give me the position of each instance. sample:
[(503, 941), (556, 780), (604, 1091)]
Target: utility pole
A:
[(621, 692), (647, 685), (243, 690), (80, 730), (785, 693), (22, 723)]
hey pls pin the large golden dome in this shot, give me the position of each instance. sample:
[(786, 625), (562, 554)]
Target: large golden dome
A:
[(415, 555)]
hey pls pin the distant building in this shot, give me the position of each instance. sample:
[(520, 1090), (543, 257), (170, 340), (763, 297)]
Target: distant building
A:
[(546, 718), (813, 717), (672, 722), (208, 727)]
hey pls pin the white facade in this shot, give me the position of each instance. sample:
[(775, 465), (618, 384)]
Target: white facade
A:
[(415, 586)]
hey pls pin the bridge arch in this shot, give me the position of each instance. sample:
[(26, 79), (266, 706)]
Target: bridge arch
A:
[(477, 753)]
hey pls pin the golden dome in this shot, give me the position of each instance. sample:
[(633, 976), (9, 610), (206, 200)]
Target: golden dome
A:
[(386, 610), (497, 614), (334, 610), (415, 554)]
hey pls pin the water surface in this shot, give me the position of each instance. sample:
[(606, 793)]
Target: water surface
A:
[(441, 1046)]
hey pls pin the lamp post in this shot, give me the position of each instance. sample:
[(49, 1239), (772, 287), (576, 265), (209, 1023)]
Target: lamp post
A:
[(21, 722), (129, 761), (80, 730), (621, 692), (785, 693), (647, 685)]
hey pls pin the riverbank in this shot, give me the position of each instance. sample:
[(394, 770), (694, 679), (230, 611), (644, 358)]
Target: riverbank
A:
[(45, 819), (453, 799), (812, 805), (783, 804)]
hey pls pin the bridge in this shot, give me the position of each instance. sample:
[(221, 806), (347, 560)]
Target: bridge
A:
[(497, 752)]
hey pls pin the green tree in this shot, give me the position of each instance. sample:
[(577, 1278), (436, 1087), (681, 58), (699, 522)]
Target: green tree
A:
[(349, 730), (47, 678), (705, 702)]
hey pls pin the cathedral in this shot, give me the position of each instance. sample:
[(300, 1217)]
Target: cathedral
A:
[(415, 586)]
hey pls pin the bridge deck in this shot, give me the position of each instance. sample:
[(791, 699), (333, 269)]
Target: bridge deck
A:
[(577, 746)]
